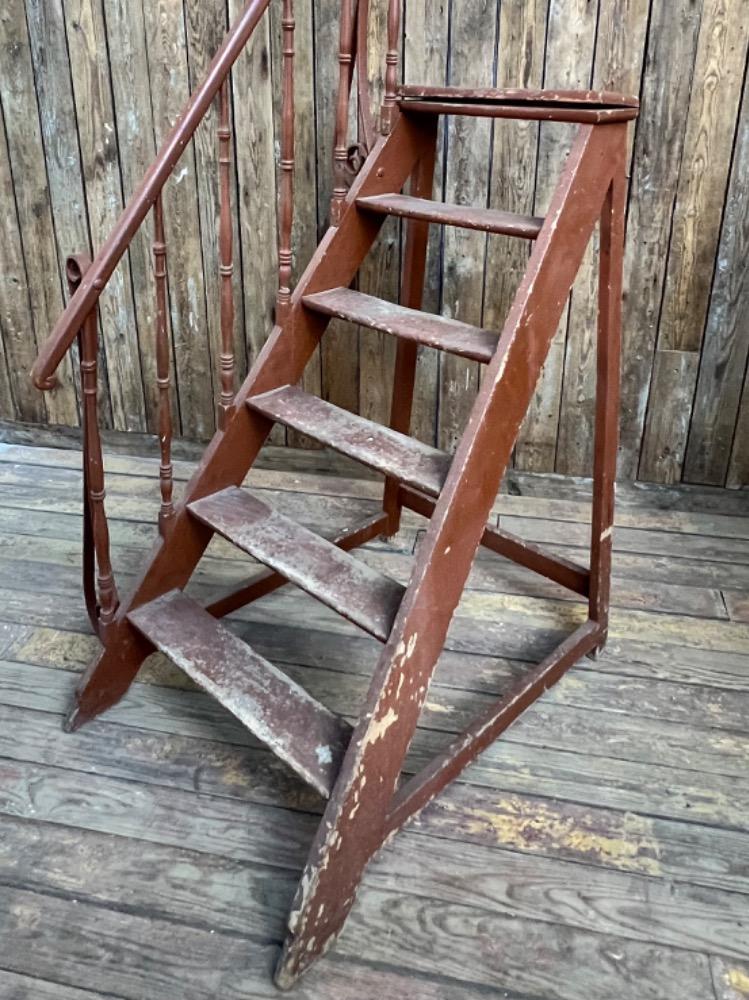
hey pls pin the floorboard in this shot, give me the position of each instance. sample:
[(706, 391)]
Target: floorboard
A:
[(599, 850)]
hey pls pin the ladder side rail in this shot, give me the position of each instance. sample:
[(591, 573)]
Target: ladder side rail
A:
[(354, 825)]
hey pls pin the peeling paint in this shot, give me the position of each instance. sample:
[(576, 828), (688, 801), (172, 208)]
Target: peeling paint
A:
[(380, 726), (634, 850), (738, 980)]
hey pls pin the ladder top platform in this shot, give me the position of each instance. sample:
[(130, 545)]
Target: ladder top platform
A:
[(594, 106)]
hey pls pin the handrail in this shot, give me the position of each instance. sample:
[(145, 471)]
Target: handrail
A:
[(86, 296)]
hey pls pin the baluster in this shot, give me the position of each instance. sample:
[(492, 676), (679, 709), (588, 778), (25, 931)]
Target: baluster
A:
[(226, 268), (340, 153), (390, 103), (283, 299), (96, 530), (166, 513)]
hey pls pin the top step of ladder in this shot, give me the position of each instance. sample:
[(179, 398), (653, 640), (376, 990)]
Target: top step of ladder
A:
[(583, 106)]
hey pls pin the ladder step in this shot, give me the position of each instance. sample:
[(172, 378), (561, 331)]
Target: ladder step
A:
[(395, 454), (431, 331), (362, 595), (488, 220), (307, 736)]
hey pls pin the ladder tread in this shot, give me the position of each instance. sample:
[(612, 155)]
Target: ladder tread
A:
[(488, 220), (380, 448), (305, 734), (439, 332), (336, 578)]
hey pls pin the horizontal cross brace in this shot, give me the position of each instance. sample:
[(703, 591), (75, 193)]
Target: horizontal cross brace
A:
[(562, 571)]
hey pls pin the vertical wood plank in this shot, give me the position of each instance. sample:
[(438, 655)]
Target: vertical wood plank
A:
[(380, 272), (726, 347), (18, 399), (256, 169), (84, 24), (618, 66), (674, 376), (658, 146), (206, 23), (520, 63), (167, 60), (711, 122), (473, 34), (570, 45), (126, 35), (684, 395), (27, 163), (49, 55), (738, 470), (340, 345), (304, 230), (426, 34)]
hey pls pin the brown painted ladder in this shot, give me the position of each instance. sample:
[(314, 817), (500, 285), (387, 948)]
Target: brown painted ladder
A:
[(358, 770)]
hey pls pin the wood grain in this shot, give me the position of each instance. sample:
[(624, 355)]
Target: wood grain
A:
[(170, 86), (425, 57), (32, 205), (599, 849), (711, 123), (92, 88), (19, 350), (672, 44), (520, 58), (726, 343), (618, 67), (256, 172), (473, 31), (79, 87), (568, 65), (205, 26)]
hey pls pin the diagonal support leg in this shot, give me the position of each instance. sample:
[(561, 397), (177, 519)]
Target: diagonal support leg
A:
[(412, 293), (608, 365), (355, 823)]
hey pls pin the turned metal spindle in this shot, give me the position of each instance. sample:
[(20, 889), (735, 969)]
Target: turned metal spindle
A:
[(166, 513), (345, 72), (286, 207), (97, 530), (390, 103), (226, 267)]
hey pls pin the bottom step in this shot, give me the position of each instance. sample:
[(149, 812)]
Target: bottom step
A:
[(307, 736)]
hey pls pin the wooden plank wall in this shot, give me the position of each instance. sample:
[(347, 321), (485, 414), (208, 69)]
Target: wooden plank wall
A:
[(88, 89)]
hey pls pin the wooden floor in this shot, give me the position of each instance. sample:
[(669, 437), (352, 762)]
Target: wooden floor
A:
[(600, 851)]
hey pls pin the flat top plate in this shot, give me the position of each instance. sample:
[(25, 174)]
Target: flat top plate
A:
[(596, 99)]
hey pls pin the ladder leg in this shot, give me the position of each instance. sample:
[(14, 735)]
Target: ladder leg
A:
[(607, 400), (355, 824), (109, 674), (358, 816), (412, 292)]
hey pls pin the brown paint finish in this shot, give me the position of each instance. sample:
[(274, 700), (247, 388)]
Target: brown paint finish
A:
[(301, 731), (359, 770), (360, 594), (407, 324), (487, 220)]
